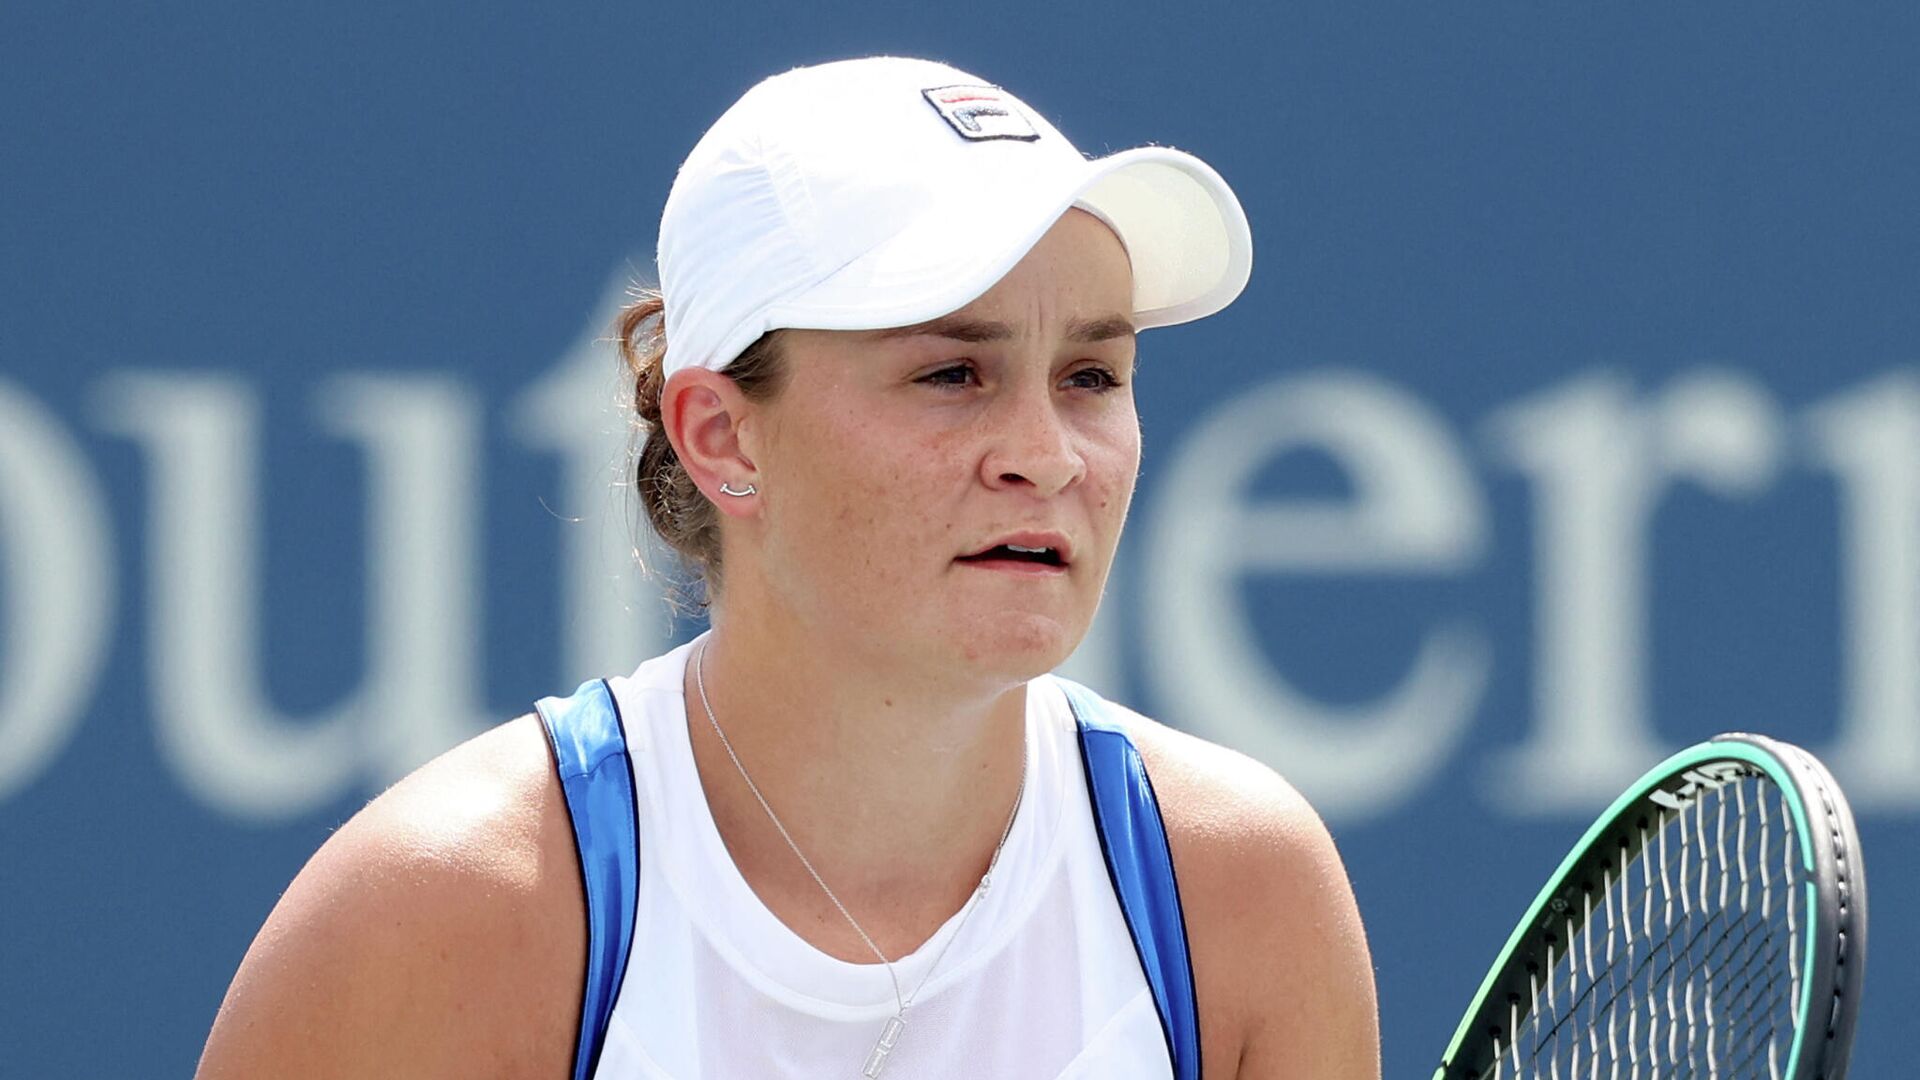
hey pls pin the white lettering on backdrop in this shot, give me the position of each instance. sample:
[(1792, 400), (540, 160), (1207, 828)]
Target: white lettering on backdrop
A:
[(1870, 437), (1415, 509), (1598, 462), (230, 745), (57, 580), (612, 616), (1596, 458)]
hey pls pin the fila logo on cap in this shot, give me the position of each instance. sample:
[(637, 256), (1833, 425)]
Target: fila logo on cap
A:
[(980, 113)]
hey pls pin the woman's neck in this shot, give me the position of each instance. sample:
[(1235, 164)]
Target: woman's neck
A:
[(897, 791)]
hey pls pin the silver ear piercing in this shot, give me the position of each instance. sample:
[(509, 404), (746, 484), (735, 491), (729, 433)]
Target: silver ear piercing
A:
[(727, 490)]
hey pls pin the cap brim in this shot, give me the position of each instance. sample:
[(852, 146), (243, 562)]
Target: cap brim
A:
[(1183, 229), (1186, 232)]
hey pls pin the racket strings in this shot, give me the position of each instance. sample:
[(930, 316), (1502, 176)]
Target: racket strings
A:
[(1680, 959)]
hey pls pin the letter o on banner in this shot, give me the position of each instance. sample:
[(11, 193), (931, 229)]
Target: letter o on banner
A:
[(57, 587)]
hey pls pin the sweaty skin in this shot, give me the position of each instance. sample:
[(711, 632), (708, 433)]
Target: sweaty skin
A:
[(441, 931)]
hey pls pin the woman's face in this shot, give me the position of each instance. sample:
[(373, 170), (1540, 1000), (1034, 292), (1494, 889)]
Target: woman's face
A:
[(893, 458)]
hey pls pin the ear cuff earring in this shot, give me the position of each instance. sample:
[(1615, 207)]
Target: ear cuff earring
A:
[(725, 489)]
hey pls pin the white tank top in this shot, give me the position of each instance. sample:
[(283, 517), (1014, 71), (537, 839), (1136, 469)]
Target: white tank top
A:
[(1042, 981)]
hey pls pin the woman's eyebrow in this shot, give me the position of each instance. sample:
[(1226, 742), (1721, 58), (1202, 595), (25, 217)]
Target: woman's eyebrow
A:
[(1090, 331), (958, 329), (1082, 331)]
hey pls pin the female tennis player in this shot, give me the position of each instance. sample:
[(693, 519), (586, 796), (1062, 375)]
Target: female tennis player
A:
[(857, 828)]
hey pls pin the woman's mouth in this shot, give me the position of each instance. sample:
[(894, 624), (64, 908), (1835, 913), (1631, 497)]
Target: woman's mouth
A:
[(1018, 559)]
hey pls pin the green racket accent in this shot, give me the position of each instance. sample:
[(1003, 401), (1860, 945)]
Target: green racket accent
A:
[(1523, 977), (1800, 1032)]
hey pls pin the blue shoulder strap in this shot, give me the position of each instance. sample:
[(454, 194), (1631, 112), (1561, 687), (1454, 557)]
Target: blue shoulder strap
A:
[(590, 752), (1134, 841)]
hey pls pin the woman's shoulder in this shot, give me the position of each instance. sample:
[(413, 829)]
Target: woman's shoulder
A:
[(1223, 805), (1285, 979), (428, 936), (1214, 789)]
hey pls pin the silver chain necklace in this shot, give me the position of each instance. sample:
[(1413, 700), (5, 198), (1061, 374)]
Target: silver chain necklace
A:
[(890, 1036)]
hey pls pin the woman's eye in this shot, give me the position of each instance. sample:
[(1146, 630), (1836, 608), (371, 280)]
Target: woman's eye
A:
[(1094, 378), (952, 375)]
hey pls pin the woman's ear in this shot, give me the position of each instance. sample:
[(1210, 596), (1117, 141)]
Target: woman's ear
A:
[(701, 412)]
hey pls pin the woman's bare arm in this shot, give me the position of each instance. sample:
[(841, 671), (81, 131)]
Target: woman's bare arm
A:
[(439, 933), (1283, 974)]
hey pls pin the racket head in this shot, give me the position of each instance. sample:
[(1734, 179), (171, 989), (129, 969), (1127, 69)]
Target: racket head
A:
[(1824, 908)]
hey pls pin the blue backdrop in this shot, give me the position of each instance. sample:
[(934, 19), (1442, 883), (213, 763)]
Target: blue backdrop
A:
[(1572, 415)]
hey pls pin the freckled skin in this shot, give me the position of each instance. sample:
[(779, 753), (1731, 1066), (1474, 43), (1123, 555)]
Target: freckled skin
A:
[(875, 480)]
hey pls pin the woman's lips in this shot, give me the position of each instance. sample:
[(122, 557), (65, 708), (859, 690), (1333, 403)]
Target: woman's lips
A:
[(1014, 566)]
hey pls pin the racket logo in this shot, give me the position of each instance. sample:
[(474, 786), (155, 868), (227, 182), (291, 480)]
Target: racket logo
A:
[(1699, 780)]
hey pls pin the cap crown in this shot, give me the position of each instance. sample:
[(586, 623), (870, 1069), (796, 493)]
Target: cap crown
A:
[(887, 191), (814, 168)]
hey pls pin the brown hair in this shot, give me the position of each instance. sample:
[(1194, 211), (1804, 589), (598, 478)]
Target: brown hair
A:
[(675, 507)]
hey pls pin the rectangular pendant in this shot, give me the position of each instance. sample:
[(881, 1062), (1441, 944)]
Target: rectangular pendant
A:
[(877, 1060)]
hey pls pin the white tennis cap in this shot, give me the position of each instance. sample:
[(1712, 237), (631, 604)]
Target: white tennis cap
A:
[(884, 192)]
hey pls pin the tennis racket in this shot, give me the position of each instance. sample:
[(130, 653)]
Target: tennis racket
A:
[(1712, 923)]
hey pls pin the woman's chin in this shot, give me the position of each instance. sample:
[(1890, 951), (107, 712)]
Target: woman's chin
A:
[(1017, 646)]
